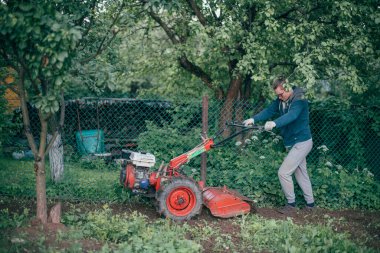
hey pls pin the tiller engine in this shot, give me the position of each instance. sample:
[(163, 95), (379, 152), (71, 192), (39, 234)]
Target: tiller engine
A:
[(178, 196)]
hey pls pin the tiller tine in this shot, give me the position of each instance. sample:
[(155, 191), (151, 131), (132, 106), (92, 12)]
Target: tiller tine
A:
[(225, 203)]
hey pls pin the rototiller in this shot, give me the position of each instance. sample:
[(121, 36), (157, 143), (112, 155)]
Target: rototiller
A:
[(178, 196)]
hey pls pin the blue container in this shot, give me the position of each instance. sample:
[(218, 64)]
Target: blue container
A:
[(90, 141)]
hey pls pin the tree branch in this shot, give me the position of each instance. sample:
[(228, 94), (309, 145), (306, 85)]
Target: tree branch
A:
[(169, 32), (104, 45), (183, 60), (198, 72), (25, 114), (197, 12), (60, 125)]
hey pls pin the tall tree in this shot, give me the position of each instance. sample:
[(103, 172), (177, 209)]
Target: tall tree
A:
[(43, 41), (235, 47)]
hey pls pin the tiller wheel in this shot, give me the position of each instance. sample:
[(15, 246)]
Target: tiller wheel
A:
[(179, 199)]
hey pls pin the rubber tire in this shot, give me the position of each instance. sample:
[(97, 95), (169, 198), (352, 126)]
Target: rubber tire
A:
[(175, 183)]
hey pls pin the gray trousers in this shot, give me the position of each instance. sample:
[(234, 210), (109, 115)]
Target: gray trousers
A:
[(295, 163)]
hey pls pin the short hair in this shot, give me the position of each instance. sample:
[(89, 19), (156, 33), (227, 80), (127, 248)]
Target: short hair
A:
[(278, 81)]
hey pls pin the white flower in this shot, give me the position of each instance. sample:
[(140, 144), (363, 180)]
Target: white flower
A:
[(238, 143), (329, 164), (255, 138), (324, 148), (265, 141), (262, 157), (247, 141), (275, 140)]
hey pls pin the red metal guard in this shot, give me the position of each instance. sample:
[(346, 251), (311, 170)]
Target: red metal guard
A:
[(178, 161)]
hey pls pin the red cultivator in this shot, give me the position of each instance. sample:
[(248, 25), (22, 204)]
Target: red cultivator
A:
[(178, 196)]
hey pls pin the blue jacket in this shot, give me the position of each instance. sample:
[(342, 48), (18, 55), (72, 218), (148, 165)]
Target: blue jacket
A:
[(293, 120)]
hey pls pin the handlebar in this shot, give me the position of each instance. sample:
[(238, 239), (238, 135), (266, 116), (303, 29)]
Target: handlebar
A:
[(234, 124), (244, 126)]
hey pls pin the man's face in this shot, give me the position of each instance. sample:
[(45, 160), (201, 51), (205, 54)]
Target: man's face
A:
[(281, 93)]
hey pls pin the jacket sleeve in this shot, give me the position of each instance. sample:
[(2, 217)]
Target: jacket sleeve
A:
[(268, 112), (293, 113)]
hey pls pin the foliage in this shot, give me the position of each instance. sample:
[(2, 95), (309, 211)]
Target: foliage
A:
[(173, 142), (285, 236), (251, 167), (133, 233), (5, 120), (148, 66), (41, 46), (43, 41), (251, 41), (347, 128), (13, 220), (337, 187)]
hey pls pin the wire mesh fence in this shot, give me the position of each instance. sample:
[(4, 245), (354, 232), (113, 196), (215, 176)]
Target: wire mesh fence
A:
[(106, 127)]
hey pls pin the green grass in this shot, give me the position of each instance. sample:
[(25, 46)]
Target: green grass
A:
[(17, 179)]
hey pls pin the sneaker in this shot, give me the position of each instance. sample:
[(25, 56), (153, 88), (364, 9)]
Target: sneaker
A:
[(287, 210)]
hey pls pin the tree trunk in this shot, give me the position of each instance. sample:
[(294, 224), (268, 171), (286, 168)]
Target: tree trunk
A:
[(56, 158), (233, 95), (39, 167)]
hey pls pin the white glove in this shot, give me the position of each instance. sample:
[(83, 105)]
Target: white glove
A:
[(248, 122), (269, 125)]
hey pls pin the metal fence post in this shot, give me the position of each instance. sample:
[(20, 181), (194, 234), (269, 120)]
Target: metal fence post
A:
[(204, 133)]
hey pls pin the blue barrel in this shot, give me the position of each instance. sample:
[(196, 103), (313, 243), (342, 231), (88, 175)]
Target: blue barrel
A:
[(90, 141)]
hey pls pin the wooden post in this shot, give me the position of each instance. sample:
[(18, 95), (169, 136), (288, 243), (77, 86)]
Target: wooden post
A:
[(204, 134)]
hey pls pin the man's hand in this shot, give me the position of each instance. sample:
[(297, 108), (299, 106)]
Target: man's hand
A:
[(269, 125), (248, 122)]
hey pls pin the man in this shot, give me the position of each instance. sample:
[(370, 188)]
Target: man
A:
[(293, 122)]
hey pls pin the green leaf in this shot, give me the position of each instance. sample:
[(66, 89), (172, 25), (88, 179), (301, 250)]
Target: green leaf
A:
[(62, 56), (58, 81), (25, 6)]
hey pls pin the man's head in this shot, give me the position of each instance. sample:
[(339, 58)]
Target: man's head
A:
[(278, 87)]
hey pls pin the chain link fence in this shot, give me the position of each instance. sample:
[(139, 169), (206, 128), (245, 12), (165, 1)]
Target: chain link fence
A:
[(106, 127)]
